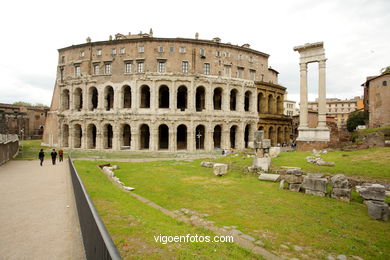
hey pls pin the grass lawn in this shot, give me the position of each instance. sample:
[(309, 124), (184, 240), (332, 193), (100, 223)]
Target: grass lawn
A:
[(371, 163), (320, 226), (133, 225)]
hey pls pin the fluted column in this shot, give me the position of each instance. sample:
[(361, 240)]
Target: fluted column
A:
[(303, 96), (321, 94)]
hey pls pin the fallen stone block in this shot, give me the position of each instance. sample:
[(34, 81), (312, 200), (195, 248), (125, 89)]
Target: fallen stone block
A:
[(315, 184), (324, 163), (220, 169), (115, 167), (295, 187), (290, 170), (341, 194), (372, 191), (316, 193), (274, 152), (207, 164), (281, 185), (339, 181), (291, 179), (378, 210), (269, 177), (128, 188), (262, 163), (315, 175)]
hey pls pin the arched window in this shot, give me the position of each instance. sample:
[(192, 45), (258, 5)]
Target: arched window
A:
[(181, 138), (163, 97), (271, 104), (233, 100), (77, 135), (217, 136), (108, 98), (233, 133), (145, 97), (65, 135), (199, 137), (91, 136), (182, 98), (200, 99), (78, 99), (126, 97), (246, 135), (93, 98), (247, 101), (144, 136), (125, 136), (163, 137), (65, 99), (217, 99), (108, 136)]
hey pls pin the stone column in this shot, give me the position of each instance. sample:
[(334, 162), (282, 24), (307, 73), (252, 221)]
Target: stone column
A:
[(321, 95), (153, 137), (225, 135), (173, 97), (134, 137), (115, 136), (172, 146), (99, 136), (208, 139), (71, 136), (191, 138), (83, 135), (303, 96)]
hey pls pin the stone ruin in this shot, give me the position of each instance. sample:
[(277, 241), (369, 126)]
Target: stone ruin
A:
[(340, 188), (316, 158), (219, 169), (374, 198), (262, 158)]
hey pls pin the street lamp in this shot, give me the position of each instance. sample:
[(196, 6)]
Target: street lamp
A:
[(198, 136)]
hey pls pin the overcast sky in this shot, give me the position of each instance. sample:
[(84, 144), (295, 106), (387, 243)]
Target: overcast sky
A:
[(355, 33)]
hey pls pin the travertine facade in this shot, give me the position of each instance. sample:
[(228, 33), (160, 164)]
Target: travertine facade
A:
[(138, 92)]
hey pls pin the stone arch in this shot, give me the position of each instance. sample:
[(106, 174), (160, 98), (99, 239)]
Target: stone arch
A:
[(91, 136), (126, 95), (279, 105), (217, 99), (163, 137), (233, 136), (280, 135), (200, 132), (65, 135), (93, 98), (261, 104), (200, 97), (181, 137), (108, 135), (65, 99), (247, 101), (271, 135), (246, 135), (145, 96), (286, 135), (125, 136), (77, 136), (271, 104), (217, 136), (78, 99), (108, 98), (144, 136), (163, 97), (233, 99), (182, 98)]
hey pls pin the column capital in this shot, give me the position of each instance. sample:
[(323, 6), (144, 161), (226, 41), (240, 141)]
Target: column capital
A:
[(303, 66), (322, 63)]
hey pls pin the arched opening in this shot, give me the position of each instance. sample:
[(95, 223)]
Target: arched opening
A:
[(233, 133), (246, 135), (199, 137), (217, 136), (77, 136), (91, 136), (280, 136), (182, 98), (181, 138), (271, 104), (126, 97), (78, 99), (65, 135), (108, 135), (200, 99), (93, 98), (144, 137), (145, 97), (271, 133), (163, 137), (247, 101), (286, 136), (163, 97), (109, 98), (217, 99), (279, 105), (65, 99), (126, 136), (233, 100)]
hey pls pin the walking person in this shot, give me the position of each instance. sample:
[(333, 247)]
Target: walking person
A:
[(41, 155), (61, 155), (53, 156)]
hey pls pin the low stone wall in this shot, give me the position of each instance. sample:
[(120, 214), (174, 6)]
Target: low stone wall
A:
[(9, 147)]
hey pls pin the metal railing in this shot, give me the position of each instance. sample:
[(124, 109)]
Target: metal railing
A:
[(97, 241)]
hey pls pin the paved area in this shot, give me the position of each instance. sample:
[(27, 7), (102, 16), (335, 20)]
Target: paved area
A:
[(38, 216)]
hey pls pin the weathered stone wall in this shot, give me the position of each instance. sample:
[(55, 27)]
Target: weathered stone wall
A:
[(9, 147), (379, 101)]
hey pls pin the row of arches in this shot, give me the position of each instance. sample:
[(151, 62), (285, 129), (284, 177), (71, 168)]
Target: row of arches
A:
[(270, 103), (75, 137), (277, 134), (125, 96)]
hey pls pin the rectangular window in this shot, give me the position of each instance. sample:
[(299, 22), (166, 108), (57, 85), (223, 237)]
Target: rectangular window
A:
[(62, 59), (202, 52), (128, 67), (122, 51), (141, 49), (218, 54), (96, 69), (251, 59), (182, 49), (82, 53), (160, 48), (161, 66), (113, 51), (184, 66), (107, 68), (171, 49), (206, 68), (252, 74), (228, 71), (77, 71), (240, 72), (140, 67), (62, 74), (99, 52)]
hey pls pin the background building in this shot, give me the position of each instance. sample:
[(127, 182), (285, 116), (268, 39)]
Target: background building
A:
[(138, 92), (290, 108), (377, 100), (339, 109)]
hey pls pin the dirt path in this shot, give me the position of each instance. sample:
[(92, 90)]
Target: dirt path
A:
[(37, 212)]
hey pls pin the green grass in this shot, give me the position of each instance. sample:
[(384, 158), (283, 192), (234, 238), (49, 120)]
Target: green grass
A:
[(321, 226), (133, 225), (371, 130), (29, 149), (373, 163)]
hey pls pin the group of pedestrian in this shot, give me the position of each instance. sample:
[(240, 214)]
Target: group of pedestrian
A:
[(53, 155)]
